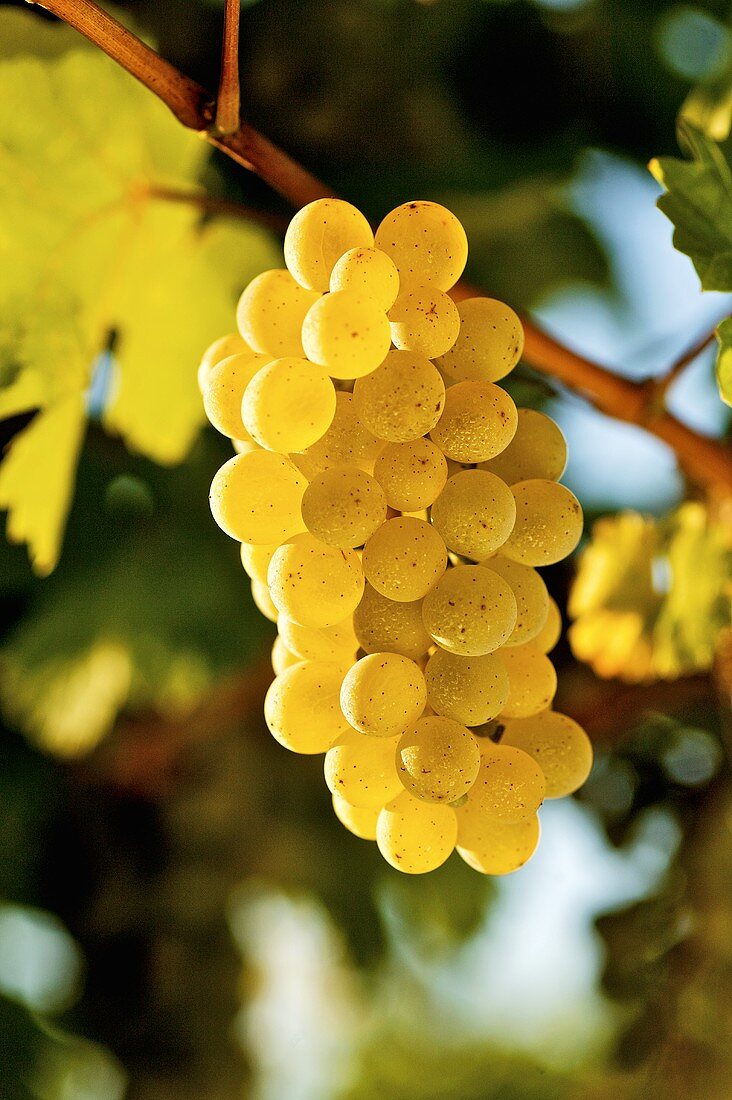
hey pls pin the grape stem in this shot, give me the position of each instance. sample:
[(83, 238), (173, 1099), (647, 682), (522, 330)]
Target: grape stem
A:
[(705, 460), (228, 99)]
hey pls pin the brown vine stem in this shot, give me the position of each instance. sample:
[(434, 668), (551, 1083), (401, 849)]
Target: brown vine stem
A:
[(228, 99), (705, 460)]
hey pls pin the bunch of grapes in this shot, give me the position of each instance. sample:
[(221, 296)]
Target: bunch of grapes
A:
[(392, 506)]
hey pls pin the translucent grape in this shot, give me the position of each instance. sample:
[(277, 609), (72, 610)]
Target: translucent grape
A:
[(551, 631), (531, 678), (478, 422), (538, 450), (288, 405), (412, 474), (382, 694), (343, 506), (263, 601), (385, 626), (501, 849), (558, 744), (302, 710), (223, 348), (404, 559), (548, 523), (401, 400), (318, 235), (489, 343), (509, 788), (255, 497), (532, 598), (474, 513), (426, 242), (243, 446), (271, 311), (369, 273), (314, 584), (470, 690), (359, 820), (224, 390), (347, 335), (415, 837), (281, 657), (336, 644), (424, 319), (347, 442), (256, 559), (437, 759), (362, 769), (470, 611)]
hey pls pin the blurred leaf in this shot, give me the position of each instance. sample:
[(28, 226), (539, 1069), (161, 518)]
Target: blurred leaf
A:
[(724, 361)]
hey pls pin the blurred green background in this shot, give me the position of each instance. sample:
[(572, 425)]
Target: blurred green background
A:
[(180, 913)]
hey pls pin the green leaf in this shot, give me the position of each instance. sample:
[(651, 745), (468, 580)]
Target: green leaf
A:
[(724, 361)]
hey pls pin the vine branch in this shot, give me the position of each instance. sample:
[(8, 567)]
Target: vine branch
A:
[(228, 99), (705, 460)]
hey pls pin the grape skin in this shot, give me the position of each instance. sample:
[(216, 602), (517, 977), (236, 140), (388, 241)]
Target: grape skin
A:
[(387, 626), (475, 514), (382, 694), (478, 422), (470, 690), (359, 820), (362, 769), (224, 390), (401, 400), (223, 348), (404, 559), (302, 709), (559, 745), (415, 837), (347, 335), (426, 242), (532, 598), (489, 343), (470, 611), (317, 237), (288, 405), (532, 681), (343, 507), (314, 584), (509, 789), (425, 320), (437, 759), (548, 523), (412, 474), (500, 849), (255, 497), (271, 312), (369, 273), (537, 450)]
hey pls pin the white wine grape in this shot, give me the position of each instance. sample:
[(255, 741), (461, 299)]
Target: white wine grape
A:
[(548, 523), (537, 450), (314, 584), (488, 345), (271, 312), (415, 837), (382, 694), (255, 497), (387, 626), (438, 759), (425, 320), (532, 598), (346, 334), (362, 770), (474, 513), (369, 273), (532, 681), (470, 611), (478, 422), (558, 744), (412, 474), (401, 400), (426, 242), (343, 506), (470, 690), (317, 237), (404, 559), (302, 710), (288, 405)]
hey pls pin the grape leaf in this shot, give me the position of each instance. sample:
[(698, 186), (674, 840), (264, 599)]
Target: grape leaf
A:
[(724, 360)]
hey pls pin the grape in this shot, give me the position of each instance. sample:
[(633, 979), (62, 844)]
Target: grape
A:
[(281, 657), (288, 405), (223, 348), (369, 273), (415, 837), (271, 312), (474, 513), (532, 598), (551, 632), (531, 678), (318, 235), (314, 584), (255, 497), (359, 820), (385, 626), (548, 523), (337, 644), (302, 710), (426, 242), (401, 400), (382, 694), (256, 559), (500, 849), (243, 446), (343, 506), (437, 759), (489, 343), (224, 390), (478, 422), (538, 449), (509, 788), (346, 334), (424, 319), (470, 611), (346, 443), (404, 559), (560, 747), (263, 601), (362, 769), (412, 474), (470, 690)]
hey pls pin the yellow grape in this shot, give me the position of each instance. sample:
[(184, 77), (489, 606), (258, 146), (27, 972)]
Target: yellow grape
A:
[(314, 584), (362, 769), (478, 422), (382, 694), (359, 820), (489, 343), (401, 400), (470, 690), (263, 601), (551, 631), (412, 474), (559, 745), (385, 626), (532, 681), (288, 405), (318, 235), (510, 788), (470, 611), (500, 849), (256, 559), (223, 348), (404, 559), (424, 319), (243, 446), (343, 506), (538, 449), (474, 513), (337, 643), (347, 442), (302, 710), (271, 312), (346, 334), (415, 837), (426, 242), (281, 657), (224, 390), (255, 497), (369, 273), (548, 523), (437, 759), (532, 598)]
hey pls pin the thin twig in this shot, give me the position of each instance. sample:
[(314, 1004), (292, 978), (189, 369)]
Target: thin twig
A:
[(663, 384), (207, 204), (228, 99)]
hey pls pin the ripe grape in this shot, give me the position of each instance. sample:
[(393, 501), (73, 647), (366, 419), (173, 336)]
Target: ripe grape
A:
[(531, 678), (478, 422), (302, 709), (343, 506), (386, 626), (224, 390), (281, 657), (362, 769), (424, 319), (474, 513), (500, 849), (256, 559), (471, 690), (369, 273), (346, 334), (271, 311), (263, 601), (382, 694), (559, 745), (314, 584), (288, 405), (223, 348), (337, 644), (318, 235), (404, 559), (470, 611), (412, 474), (548, 523), (437, 759), (255, 497), (488, 345), (537, 450), (532, 598), (401, 400), (347, 442), (426, 242), (359, 820), (551, 631), (510, 788), (414, 836)]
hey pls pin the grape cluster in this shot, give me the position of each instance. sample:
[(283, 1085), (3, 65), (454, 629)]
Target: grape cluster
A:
[(392, 506)]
